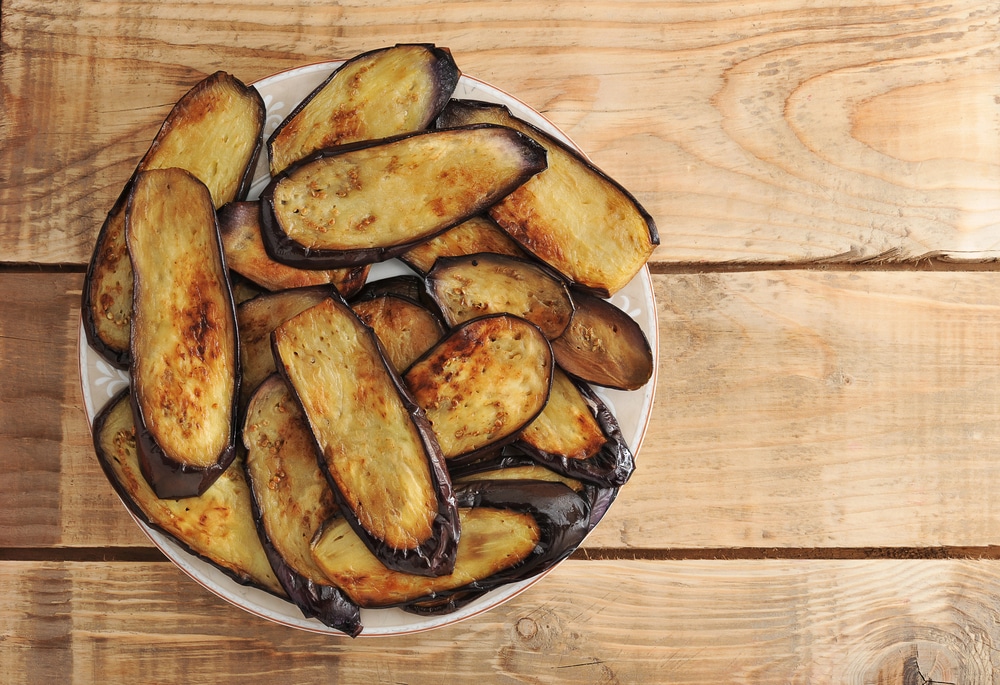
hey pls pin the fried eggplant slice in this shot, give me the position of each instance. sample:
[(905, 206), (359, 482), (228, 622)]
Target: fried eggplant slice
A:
[(406, 328), (214, 131), (577, 435), (469, 286), (377, 448), (256, 319), (217, 526), (572, 216), (603, 345), (511, 531), (478, 234), (485, 381), (376, 94), (239, 223), (291, 500), (185, 368), (358, 204)]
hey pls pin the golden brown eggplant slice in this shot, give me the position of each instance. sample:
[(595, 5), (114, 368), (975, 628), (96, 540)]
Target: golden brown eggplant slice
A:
[(406, 328), (184, 341), (376, 94), (478, 234), (572, 216), (511, 530), (239, 223), (469, 286), (485, 381), (291, 500), (377, 449), (603, 345), (217, 526), (357, 204), (214, 131), (257, 318), (577, 435)]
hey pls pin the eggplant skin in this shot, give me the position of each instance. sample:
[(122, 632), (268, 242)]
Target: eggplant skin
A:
[(478, 234), (376, 447), (291, 499), (219, 114), (216, 526), (371, 201), (185, 366), (376, 94)]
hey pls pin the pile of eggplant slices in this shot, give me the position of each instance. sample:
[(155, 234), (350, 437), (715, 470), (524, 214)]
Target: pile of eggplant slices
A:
[(413, 441)]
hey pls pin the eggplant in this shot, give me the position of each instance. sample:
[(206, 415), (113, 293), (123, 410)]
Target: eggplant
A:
[(256, 319), (364, 203), (478, 234), (376, 447), (485, 381), (603, 345), (572, 216), (405, 328), (511, 531), (577, 435), (374, 95), (214, 131), (185, 366), (291, 500), (217, 526), (239, 223), (467, 286), (511, 464)]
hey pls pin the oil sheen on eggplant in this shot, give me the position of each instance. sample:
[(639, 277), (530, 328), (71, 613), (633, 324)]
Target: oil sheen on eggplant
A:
[(214, 131), (572, 216), (185, 368), (217, 526), (363, 203), (511, 531), (376, 94), (377, 448), (291, 500)]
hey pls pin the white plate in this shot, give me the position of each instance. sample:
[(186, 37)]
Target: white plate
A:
[(281, 92)]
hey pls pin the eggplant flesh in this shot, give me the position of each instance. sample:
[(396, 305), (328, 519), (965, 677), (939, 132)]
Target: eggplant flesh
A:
[(511, 530), (358, 204), (485, 381), (478, 234), (217, 526), (184, 344), (239, 224), (377, 449), (374, 95), (214, 131), (603, 345), (469, 286), (572, 216), (406, 328), (291, 500)]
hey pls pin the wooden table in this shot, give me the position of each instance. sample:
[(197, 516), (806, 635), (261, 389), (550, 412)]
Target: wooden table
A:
[(816, 497)]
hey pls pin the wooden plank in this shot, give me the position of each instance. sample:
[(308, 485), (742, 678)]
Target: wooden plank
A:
[(587, 622), (764, 133)]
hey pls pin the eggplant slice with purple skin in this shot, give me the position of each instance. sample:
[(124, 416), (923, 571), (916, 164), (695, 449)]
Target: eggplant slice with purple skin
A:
[(216, 526), (368, 202), (214, 131), (239, 223), (572, 216), (185, 369), (484, 382), (377, 94), (291, 501), (469, 286), (511, 531), (478, 234), (406, 328), (376, 447)]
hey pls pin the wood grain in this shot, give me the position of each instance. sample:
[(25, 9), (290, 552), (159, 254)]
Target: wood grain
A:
[(765, 133), (587, 622)]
